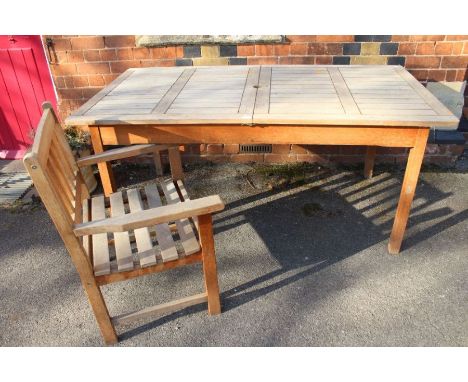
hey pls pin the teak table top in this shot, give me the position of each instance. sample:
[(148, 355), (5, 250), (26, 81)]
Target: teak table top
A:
[(360, 95)]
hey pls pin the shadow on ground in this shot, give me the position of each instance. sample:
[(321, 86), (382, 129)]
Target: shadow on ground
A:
[(309, 224)]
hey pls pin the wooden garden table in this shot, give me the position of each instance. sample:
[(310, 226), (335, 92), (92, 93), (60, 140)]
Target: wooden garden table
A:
[(292, 104)]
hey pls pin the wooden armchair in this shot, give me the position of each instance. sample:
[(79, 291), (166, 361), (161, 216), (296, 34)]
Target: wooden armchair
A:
[(129, 234)]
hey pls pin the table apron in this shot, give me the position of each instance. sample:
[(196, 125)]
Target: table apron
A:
[(264, 134)]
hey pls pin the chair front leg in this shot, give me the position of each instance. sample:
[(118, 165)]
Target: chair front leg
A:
[(209, 263)]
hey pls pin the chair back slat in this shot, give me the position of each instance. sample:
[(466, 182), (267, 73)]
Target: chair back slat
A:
[(51, 160)]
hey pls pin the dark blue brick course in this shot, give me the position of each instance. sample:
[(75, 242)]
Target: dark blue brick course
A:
[(372, 38), (192, 51)]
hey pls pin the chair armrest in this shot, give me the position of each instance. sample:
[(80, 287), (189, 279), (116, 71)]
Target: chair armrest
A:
[(120, 153), (152, 216)]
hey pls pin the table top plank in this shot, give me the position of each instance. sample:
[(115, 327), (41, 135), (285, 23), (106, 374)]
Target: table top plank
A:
[(347, 100), (173, 92), (262, 101), (335, 95)]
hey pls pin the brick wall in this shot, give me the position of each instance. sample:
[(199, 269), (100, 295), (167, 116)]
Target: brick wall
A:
[(82, 65)]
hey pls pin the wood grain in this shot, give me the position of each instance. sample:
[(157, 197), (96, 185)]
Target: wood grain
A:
[(252, 94)]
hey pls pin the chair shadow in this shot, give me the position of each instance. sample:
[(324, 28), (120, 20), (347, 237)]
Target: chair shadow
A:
[(340, 223)]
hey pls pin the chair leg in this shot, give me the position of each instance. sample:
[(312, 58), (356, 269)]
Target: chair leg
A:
[(101, 313), (209, 263)]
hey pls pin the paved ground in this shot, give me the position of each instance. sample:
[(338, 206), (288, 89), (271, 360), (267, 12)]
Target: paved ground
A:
[(302, 265)]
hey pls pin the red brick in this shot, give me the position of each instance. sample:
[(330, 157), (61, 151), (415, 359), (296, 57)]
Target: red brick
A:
[(322, 149), (323, 60), (61, 44), (70, 93), (280, 149), (216, 158), (335, 38), (90, 92), (279, 158), (80, 81), (108, 78), (456, 150), (422, 62), (407, 48), (420, 75), (245, 158), (299, 149), (436, 75), (96, 80), (439, 159), (124, 54), (141, 53), (333, 49), (443, 48), (262, 60), (451, 75), (122, 66), (301, 38), (352, 150), (400, 37), (391, 151), (231, 149), (457, 48), (93, 68), (214, 149), (454, 62), (108, 54), (425, 48), (63, 69), (92, 55), (119, 41), (59, 82), (297, 60), (465, 48), (69, 83), (313, 158), (180, 51), (427, 38), (432, 148), (245, 50), (192, 149), (165, 62), (59, 57), (281, 49), (299, 49), (87, 42), (461, 75), (316, 48), (264, 50), (456, 37), (164, 52)]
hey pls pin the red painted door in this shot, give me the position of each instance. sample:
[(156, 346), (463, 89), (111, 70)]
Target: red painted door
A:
[(25, 83)]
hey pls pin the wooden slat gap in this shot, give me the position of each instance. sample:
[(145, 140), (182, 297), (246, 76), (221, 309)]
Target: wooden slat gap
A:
[(166, 101)]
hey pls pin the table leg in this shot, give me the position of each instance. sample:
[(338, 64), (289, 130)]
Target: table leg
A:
[(408, 188), (369, 161), (105, 169)]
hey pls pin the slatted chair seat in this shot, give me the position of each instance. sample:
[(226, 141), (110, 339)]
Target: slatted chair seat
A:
[(130, 233), (124, 251)]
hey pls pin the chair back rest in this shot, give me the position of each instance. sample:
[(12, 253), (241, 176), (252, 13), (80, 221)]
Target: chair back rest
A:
[(53, 169)]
